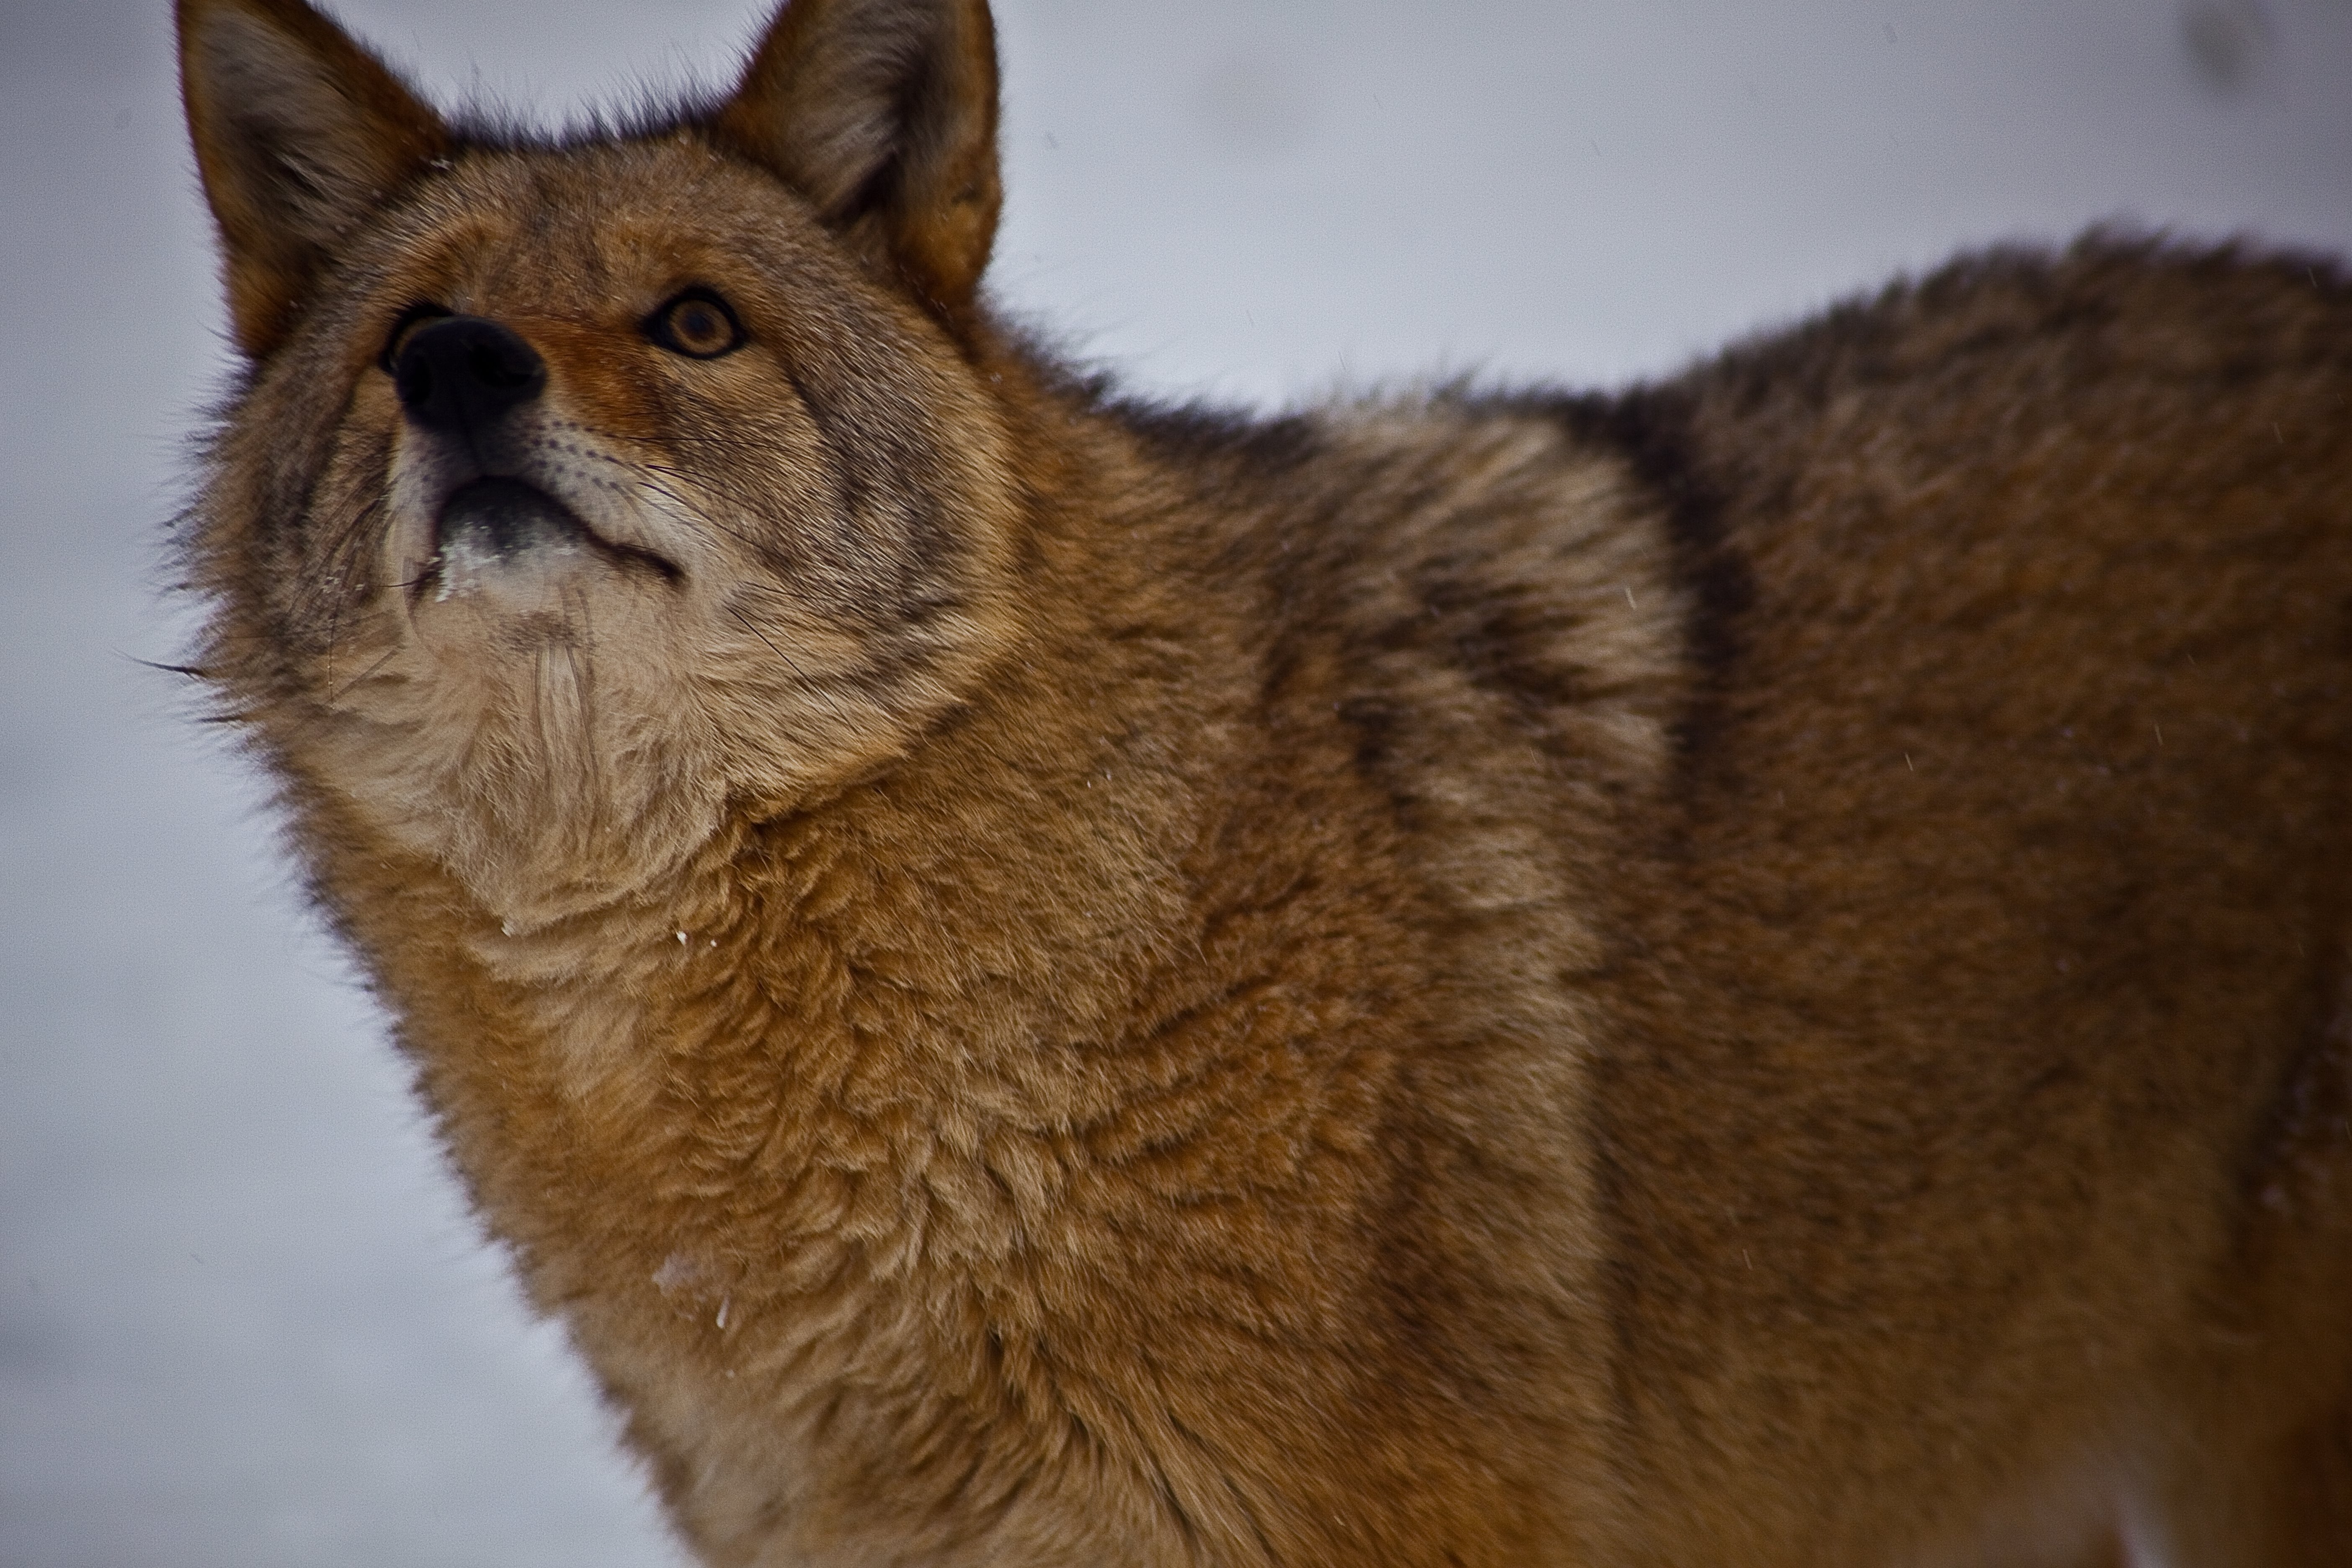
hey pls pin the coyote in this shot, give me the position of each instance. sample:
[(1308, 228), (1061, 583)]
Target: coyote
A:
[(1747, 972)]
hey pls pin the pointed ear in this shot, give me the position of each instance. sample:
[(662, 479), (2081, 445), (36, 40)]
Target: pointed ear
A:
[(299, 132), (883, 113)]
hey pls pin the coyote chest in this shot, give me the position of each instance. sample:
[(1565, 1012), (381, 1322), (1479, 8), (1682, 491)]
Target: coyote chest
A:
[(1745, 970)]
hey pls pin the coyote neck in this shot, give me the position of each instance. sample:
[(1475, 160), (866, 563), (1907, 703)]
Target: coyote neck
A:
[(881, 1017)]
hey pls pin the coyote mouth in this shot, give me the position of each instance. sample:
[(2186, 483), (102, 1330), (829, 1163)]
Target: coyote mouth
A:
[(502, 519), (500, 523)]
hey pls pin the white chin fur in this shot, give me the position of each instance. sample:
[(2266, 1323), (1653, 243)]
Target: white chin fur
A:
[(519, 581)]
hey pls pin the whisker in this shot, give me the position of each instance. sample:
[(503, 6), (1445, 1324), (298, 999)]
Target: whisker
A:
[(356, 681), (823, 695)]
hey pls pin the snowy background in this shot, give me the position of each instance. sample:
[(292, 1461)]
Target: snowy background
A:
[(243, 1320)]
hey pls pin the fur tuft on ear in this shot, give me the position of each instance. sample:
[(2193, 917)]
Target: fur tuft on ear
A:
[(299, 132), (883, 113)]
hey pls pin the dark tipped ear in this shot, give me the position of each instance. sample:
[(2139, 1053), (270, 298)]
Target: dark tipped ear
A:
[(299, 132), (883, 113)]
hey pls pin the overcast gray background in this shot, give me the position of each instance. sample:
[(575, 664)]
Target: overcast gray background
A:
[(243, 1320)]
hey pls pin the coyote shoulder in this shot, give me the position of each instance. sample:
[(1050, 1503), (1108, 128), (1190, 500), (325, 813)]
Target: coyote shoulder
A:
[(1751, 971)]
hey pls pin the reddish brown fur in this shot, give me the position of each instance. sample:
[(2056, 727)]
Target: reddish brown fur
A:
[(1748, 972)]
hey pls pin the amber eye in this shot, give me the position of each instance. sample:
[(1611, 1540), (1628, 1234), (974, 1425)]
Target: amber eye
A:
[(695, 324), (404, 327)]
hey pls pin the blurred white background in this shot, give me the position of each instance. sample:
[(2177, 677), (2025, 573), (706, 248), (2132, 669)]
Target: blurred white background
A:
[(244, 1317)]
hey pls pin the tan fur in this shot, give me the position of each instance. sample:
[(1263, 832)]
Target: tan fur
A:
[(1752, 972)]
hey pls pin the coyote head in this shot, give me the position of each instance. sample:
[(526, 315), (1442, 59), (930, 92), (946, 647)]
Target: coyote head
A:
[(582, 488)]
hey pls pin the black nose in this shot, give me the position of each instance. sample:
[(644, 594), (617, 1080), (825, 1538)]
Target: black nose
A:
[(462, 373)]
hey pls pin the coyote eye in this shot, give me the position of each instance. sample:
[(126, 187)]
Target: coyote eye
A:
[(407, 321), (696, 324)]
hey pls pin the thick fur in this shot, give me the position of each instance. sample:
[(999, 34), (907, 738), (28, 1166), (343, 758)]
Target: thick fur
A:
[(1753, 972)]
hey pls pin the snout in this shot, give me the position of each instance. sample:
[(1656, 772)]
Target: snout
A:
[(461, 374), (493, 507)]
